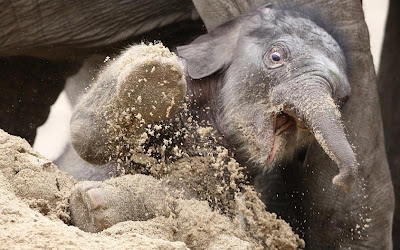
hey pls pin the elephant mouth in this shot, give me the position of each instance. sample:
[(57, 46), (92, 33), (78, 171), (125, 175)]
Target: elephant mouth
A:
[(282, 122)]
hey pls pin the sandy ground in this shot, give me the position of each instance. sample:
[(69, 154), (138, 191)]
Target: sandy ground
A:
[(39, 204)]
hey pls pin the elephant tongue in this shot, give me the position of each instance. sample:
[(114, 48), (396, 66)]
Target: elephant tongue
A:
[(283, 122)]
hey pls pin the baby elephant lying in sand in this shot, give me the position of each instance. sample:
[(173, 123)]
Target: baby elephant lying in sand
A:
[(263, 85)]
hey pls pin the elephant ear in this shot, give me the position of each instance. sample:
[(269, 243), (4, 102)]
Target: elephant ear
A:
[(211, 52)]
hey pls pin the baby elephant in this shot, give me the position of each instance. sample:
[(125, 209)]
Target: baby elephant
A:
[(268, 82)]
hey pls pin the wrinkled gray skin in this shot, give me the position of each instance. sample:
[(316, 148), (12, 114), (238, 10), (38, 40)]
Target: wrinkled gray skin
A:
[(306, 86), (73, 30), (44, 42), (24, 24), (301, 190), (389, 91), (328, 217)]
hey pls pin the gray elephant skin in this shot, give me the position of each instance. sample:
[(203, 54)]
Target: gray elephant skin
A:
[(42, 43), (274, 97), (389, 91), (65, 41)]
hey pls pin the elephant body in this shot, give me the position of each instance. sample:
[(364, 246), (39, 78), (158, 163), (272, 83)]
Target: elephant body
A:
[(372, 196), (389, 90), (60, 36), (300, 189), (57, 30)]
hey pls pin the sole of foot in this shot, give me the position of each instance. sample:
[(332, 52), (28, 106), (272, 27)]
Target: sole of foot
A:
[(151, 82)]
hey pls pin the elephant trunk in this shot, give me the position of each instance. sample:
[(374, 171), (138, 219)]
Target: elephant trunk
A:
[(314, 107)]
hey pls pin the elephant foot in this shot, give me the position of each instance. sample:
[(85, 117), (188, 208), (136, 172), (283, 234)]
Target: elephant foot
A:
[(88, 205), (96, 206), (151, 82)]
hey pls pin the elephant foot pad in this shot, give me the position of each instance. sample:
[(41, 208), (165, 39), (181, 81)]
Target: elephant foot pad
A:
[(96, 206), (151, 81)]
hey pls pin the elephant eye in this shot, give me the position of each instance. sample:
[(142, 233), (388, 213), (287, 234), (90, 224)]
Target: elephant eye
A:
[(275, 57)]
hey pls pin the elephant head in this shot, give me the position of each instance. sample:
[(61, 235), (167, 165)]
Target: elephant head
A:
[(283, 77)]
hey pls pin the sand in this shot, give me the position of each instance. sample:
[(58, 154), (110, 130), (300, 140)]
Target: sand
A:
[(35, 210), (33, 195)]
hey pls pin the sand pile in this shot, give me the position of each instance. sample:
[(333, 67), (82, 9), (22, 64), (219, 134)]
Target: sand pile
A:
[(33, 207), (34, 210)]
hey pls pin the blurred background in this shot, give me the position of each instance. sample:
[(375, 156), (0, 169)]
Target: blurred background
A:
[(52, 137)]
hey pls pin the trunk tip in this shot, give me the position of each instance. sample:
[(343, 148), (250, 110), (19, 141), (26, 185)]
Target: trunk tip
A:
[(345, 180)]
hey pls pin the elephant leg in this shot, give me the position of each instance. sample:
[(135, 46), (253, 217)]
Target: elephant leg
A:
[(145, 84), (29, 86), (96, 206), (389, 91), (362, 218)]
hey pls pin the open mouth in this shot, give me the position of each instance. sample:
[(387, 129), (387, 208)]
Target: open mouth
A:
[(282, 123)]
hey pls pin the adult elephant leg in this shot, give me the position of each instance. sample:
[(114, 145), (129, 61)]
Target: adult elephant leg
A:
[(362, 218), (389, 91), (29, 86)]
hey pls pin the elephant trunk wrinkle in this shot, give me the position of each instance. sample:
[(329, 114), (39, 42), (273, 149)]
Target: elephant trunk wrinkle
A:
[(314, 107)]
